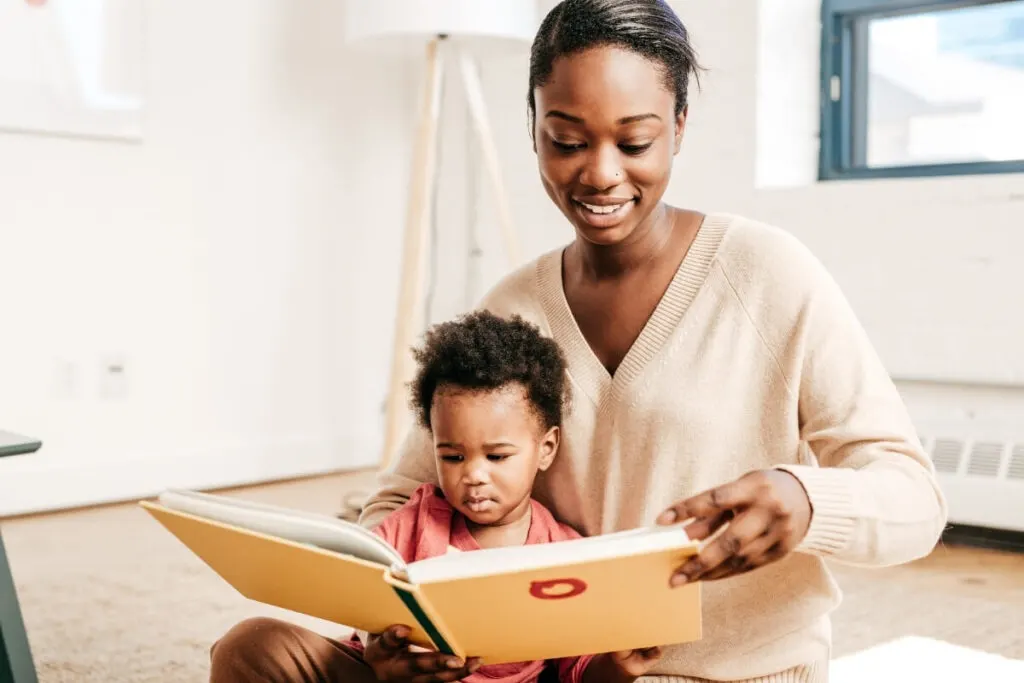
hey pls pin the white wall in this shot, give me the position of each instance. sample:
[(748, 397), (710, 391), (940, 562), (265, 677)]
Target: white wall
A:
[(242, 260)]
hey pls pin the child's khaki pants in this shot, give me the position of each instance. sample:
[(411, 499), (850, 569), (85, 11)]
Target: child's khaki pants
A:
[(265, 650)]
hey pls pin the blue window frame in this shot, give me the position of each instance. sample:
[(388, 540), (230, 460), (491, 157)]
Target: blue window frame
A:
[(921, 88)]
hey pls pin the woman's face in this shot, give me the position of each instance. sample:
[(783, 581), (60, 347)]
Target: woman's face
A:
[(605, 136)]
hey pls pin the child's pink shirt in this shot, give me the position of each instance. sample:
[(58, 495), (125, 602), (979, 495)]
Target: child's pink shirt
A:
[(427, 525)]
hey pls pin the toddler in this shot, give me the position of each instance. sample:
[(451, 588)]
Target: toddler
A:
[(492, 392)]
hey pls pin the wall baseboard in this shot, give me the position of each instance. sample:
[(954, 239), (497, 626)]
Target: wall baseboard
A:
[(984, 537), (38, 485)]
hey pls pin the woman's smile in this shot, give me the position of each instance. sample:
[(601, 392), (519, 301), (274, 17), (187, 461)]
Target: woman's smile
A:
[(605, 213)]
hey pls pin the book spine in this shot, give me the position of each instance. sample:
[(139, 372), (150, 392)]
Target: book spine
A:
[(434, 633), (414, 602)]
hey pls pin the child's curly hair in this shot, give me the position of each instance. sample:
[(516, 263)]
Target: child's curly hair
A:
[(481, 351)]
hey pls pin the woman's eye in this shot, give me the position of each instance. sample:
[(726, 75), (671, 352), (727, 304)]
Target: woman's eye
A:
[(635, 149), (566, 146)]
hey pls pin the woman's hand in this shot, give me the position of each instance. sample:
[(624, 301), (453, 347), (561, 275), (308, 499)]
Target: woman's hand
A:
[(393, 659), (767, 512)]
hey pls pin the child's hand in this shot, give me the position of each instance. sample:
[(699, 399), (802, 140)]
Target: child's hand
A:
[(635, 663), (621, 667), (394, 659)]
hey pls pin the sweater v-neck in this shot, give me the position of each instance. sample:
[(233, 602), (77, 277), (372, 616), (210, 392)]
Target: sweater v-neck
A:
[(584, 365)]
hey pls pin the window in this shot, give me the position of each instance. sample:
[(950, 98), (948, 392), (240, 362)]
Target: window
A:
[(918, 87), (73, 68)]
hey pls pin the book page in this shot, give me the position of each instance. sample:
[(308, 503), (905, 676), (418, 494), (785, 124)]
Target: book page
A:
[(322, 531), (528, 557)]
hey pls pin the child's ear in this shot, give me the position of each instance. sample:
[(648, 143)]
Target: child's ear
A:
[(549, 448)]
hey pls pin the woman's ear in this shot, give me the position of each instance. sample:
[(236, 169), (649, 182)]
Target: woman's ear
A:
[(549, 448), (680, 126)]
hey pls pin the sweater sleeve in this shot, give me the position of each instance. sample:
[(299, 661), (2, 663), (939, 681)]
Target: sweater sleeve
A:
[(413, 467), (874, 497)]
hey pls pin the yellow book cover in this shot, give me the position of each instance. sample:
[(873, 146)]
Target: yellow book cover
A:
[(586, 596)]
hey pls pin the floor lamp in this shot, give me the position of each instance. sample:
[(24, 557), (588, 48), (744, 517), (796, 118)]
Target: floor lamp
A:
[(441, 33)]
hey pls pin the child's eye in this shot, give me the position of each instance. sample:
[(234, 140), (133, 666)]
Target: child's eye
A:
[(497, 457), (451, 458)]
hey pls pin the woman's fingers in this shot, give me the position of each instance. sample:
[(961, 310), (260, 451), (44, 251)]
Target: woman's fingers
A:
[(742, 530), (768, 508), (713, 502), (757, 553), (704, 527)]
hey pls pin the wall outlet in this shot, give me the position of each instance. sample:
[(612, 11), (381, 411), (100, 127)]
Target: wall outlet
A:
[(113, 378)]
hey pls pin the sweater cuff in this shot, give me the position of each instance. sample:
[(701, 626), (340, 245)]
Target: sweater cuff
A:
[(831, 493)]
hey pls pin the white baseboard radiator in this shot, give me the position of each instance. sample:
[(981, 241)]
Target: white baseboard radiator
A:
[(983, 480)]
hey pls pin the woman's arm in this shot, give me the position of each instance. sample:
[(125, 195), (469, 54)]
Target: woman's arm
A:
[(874, 497), (865, 492), (413, 466)]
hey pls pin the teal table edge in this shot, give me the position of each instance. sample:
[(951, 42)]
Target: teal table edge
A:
[(16, 664)]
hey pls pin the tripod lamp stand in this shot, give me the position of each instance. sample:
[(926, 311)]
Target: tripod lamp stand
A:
[(440, 33)]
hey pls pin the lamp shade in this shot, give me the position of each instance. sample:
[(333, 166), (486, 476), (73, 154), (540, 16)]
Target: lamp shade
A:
[(491, 23)]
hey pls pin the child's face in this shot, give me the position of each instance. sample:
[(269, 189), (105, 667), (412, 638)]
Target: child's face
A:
[(489, 446)]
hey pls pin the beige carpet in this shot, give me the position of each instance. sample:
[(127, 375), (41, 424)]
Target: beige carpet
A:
[(109, 596)]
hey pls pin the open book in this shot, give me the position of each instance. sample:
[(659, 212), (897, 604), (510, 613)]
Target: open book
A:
[(545, 601)]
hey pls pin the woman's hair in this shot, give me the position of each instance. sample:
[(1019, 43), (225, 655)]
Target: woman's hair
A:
[(483, 352), (649, 28)]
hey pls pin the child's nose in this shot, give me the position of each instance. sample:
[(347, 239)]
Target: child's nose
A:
[(476, 475)]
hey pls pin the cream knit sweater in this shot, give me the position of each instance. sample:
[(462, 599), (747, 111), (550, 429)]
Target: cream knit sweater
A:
[(753, 359)]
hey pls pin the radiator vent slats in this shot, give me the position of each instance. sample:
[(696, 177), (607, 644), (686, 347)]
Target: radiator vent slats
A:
[(946, 455), (990, 459), (986, 457), (1016, 469)]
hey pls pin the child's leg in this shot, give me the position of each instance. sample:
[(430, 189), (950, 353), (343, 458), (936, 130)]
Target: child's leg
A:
[(265, 650)]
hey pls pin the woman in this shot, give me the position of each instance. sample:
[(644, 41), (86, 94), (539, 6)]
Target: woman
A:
[(718, 375)]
